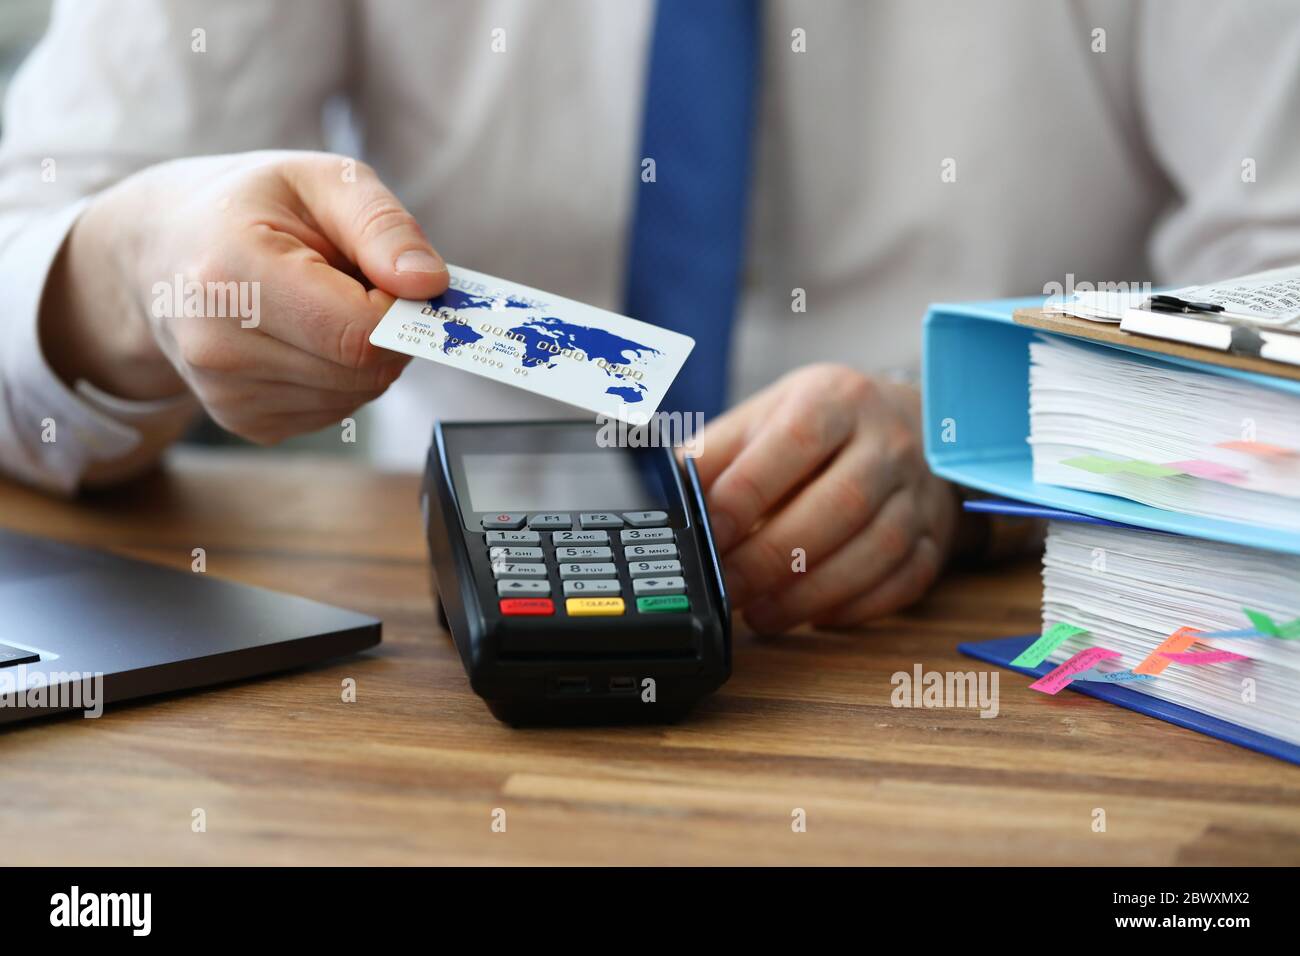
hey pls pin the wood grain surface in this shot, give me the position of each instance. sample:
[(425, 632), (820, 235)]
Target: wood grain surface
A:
[(412, 772)]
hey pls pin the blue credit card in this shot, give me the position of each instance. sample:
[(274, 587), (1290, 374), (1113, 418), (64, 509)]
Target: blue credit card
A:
[(539, 342)]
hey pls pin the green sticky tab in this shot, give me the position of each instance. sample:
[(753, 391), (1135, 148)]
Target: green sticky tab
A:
[(1262, 622), (1052, 638), (1109, 466), (663, 603), (1149, 469), (1095, 464), (1290, 630)]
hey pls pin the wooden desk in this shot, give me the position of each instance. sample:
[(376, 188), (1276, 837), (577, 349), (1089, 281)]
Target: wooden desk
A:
[(412, 771)]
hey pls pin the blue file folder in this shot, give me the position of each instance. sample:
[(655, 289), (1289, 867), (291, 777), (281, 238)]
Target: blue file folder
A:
[(976, 392), (1004, 650), (976, 373)]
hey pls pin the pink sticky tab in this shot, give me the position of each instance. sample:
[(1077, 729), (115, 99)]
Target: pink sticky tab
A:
[(1056, 680), (1258, 448), (1209, 470), (1204, 657)]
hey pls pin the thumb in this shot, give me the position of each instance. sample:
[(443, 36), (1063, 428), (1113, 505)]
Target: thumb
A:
[(371, 227)]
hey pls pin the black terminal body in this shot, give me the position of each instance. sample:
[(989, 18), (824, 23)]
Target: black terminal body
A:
[(580, 583)]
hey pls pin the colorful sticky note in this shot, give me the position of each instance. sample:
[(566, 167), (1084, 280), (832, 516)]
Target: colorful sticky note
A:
[(1149, 469), (1094, 463), (1175, 643), (1270, 628), (1204, 657), (1113, 677), (1245, 632), (1263, 623), (1124, 677), (1209, 470), (1051, 639), (1059, 678), (1258, 448), (1109, 466)]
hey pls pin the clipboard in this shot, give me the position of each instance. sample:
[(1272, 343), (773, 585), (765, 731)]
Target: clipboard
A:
[(1108, 333)]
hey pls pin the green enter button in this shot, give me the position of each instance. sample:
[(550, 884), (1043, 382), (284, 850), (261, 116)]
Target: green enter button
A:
[(663, 603)]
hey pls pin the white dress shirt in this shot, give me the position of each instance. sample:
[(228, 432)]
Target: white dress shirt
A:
[(1119, 163)]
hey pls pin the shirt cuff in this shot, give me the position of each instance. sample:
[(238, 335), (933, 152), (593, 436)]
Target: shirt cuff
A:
[(52, 434)]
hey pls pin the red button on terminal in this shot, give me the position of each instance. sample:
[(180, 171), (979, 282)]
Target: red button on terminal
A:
[(534, 606)]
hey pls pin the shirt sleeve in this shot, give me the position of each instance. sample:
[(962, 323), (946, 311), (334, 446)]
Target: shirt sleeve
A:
[(51, 436), (1219, 96), (113, 87)]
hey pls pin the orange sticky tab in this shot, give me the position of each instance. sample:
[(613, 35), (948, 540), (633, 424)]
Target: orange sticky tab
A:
[(1175, 643), (1258, 448)]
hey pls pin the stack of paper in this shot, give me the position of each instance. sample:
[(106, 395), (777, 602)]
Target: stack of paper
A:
[(1188, 609), (1214, 446), (1129, 590)]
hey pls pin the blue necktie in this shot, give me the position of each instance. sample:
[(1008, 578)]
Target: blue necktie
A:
[(688, 231)]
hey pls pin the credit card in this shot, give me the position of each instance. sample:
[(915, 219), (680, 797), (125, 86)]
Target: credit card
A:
[(542, 343)]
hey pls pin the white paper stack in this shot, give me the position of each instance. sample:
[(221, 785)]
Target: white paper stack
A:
[(1214, 446), (1131, 589)]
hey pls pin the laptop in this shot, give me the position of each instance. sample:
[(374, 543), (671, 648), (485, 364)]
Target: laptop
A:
[(80, 629)]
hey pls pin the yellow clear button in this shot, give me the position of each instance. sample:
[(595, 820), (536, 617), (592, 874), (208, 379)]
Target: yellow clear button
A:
[(594, 607)]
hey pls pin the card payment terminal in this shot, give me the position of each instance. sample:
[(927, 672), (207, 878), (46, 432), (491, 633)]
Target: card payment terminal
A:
[(579, 582)]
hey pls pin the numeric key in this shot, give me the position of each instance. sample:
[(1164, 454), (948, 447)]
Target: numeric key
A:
[(637, 552), (509, 553), (513, 537), (506, 569), (582, 588), (635, 535), (579, 537), (587, 571), (583, 554), (649, 569)]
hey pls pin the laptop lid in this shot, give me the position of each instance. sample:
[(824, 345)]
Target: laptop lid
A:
[(71, 617)]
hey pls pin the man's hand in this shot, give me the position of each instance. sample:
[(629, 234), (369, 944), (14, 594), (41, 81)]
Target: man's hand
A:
[(327, 246), (828, 461)]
